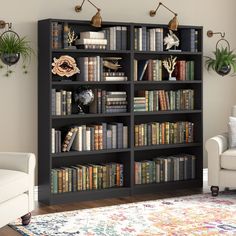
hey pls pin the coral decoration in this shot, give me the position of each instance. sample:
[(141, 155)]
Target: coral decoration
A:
[(65, 66)]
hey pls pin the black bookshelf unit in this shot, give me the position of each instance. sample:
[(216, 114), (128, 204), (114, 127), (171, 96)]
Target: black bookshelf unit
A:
[(137, 150)]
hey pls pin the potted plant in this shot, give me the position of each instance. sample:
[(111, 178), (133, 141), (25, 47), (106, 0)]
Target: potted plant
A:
[(223, 61), (12, 47)]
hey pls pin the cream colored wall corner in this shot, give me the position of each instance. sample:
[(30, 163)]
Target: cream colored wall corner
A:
[(18, 94)]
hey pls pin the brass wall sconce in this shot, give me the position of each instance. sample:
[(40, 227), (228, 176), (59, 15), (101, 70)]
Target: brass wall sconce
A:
[(210, 33), (173, 24), (3, 24), (96, 20)]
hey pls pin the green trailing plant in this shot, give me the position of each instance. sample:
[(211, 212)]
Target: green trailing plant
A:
[(223, 61), (12, 44)]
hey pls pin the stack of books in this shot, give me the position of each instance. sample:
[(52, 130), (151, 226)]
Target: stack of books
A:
[(91, 40), (114, 76), (139, 104)]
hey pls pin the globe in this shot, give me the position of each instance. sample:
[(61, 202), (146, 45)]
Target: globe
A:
[(84, 97)]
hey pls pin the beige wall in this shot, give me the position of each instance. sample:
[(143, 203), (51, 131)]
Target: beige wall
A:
[(18, 94)]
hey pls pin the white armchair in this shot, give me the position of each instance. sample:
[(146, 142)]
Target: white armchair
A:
[(221, 162), (16, 186)]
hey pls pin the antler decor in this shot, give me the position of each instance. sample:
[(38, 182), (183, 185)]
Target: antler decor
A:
[(169, 65)]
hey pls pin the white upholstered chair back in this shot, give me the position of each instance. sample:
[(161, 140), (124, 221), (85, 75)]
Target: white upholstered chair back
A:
[(234, 111)]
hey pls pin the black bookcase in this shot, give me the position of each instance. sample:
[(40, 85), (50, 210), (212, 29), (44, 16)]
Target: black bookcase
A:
[(46, 82)]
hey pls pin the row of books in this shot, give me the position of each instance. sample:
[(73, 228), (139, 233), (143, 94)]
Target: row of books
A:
[(92, 69), (161, 100), (87, 177), (184, 70), (152, 70), (61, 102), (147, 70), (110, 38), (116, 37), (148, 39), (156, 133), (164, 169), (151, 39), (56, 35), (91, 137), (108, 102), (189, 40)]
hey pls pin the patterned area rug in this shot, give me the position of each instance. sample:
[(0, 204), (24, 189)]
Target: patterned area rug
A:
[(192, 215)]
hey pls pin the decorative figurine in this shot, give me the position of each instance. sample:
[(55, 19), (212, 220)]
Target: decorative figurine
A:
[(171, 40), (111, 63), (71, 38), (169, 65), (64, 66), (84, 97)]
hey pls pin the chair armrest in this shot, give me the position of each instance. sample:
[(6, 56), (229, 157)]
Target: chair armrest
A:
[(215, 146), (24, 162)]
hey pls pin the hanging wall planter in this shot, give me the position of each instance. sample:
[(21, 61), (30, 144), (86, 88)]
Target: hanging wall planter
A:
[(10, 59), (224, 59), (13, 47)]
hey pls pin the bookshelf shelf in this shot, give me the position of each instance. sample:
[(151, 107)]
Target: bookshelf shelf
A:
[(89, 116), (149, 113), (82, 153), (88, 82), (159, 187), (116, 166), (167, 146), (168, 53), (90, 194), (90, 51), (169, 82)]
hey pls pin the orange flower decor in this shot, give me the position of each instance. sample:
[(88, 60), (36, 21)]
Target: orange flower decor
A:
[(65, 66)]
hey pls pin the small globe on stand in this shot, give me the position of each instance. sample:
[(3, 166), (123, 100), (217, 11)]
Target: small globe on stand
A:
[(83, 98)]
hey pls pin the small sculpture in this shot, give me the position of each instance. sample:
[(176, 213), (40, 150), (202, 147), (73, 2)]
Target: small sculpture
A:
[(71, 38), (84, 97), (65, 66), (171, 40), (111, 63), (169, 65)]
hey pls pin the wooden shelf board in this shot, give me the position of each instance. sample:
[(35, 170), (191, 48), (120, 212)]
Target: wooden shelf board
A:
[(76, 153), (78, 116), (167, 146)]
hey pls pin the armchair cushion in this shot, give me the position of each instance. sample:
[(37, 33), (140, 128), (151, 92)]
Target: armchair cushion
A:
[(228, 159), (12, 184), (232, 131)]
